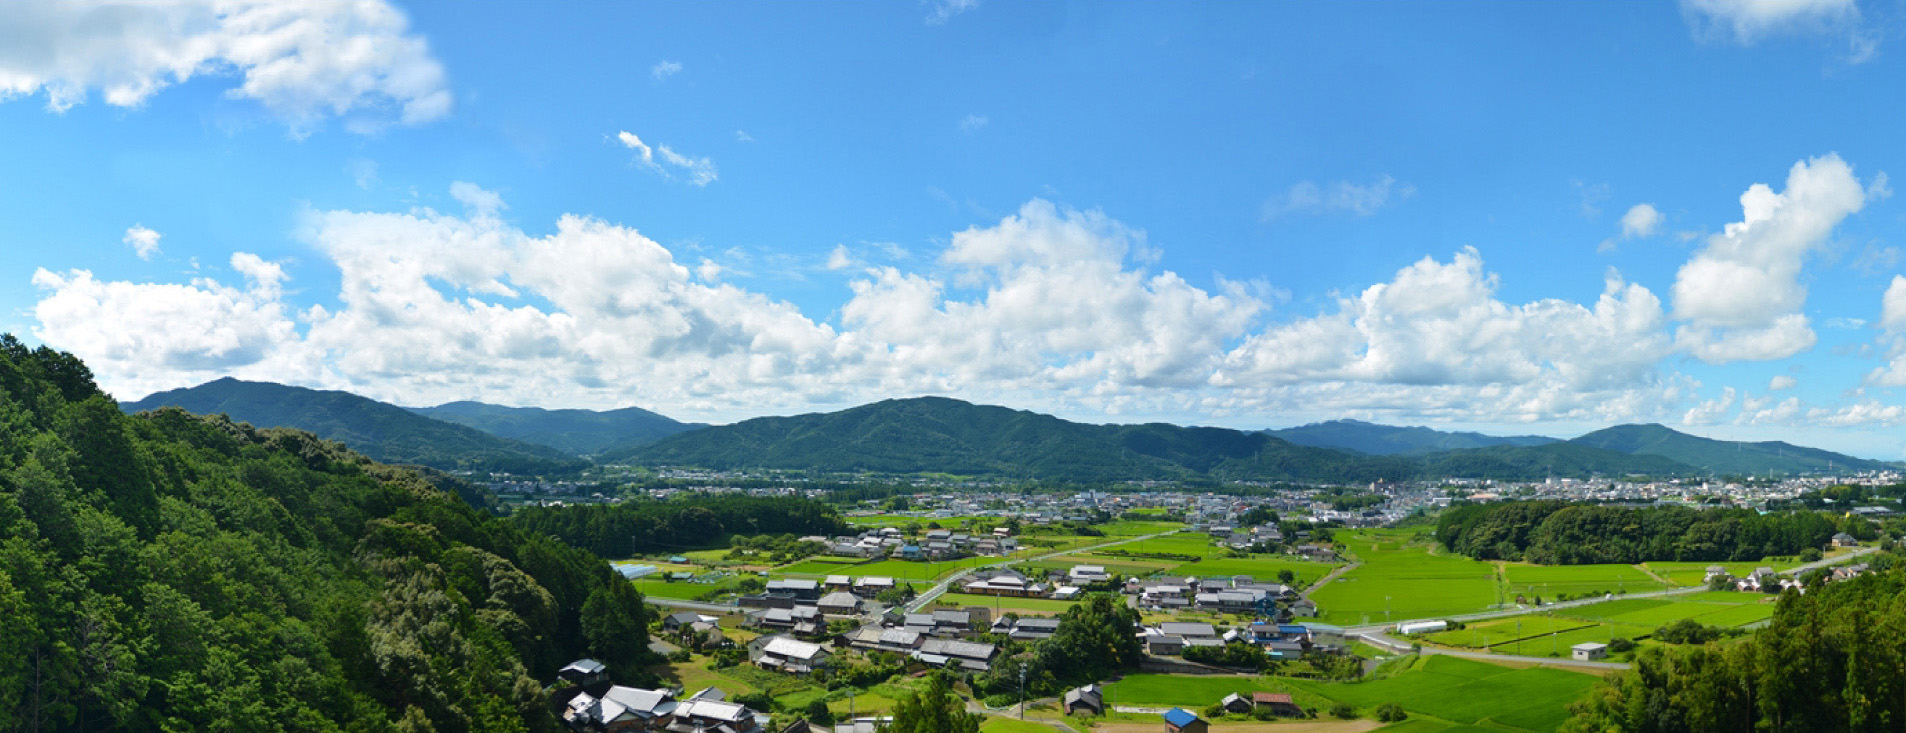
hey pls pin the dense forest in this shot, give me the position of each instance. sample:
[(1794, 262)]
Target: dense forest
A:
[(1563, 533), (696, 522), (1829, 660), (166, 571)]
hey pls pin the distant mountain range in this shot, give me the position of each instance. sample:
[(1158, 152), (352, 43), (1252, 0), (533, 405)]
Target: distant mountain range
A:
[(580, 432), (1386, 440), (382, 431), (940, 435)]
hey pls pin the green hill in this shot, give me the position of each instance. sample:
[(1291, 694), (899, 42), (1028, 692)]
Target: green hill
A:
[(1387, 440), (580, 432), (1532, 463), (1706, 455), (384, 432), (169, 571)]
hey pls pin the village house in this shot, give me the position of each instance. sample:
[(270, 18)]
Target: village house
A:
[(971, 656), (789, 655), (802, 620), (872, 585), (584, 672), (1280, 704), (1180, 720), (1084, 700)]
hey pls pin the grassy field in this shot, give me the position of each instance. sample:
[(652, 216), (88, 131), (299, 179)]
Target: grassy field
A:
[(1009, 725), (1499, 631), (1631, 618), (1036, 606), (1576, 580), (1713, 609), (665, 589), (1693, 573), (820, 566), (1182, 543), (1195, 692), (1401, 574), (1468, 692), (1124, 528)]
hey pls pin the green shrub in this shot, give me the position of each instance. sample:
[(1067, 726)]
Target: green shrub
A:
[(1343, 710)]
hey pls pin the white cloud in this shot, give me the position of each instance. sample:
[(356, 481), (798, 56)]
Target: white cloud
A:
[(1892, 326), (303, 61), (146, 335), (1362, 200), (840, 258), (701, 171), (1642, 220), (1711, 411), (1869, 412), (1050, 307), (972, 123), (363, 172), (1781, 382), (1437, 330), (1759, 412), (665, 69), (742, 136), (1740, 295), (941, 11), (1747, 22), (144, 242)]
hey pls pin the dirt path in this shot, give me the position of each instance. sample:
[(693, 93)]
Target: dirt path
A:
[(1330, 576), (1643, 567), (1308, 726)]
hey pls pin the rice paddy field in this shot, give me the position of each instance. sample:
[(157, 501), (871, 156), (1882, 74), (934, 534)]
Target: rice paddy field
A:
[(1453, 693), (1468, 692), (1261, 568), (682, 590), (1577, 580), (1403, 575), (1541, 635), (1713, 609)]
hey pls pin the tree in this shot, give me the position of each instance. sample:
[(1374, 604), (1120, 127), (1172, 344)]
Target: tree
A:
[(1390, 712), (1287, 576), (1343, 710), (933, 710), (817, 713), (615, 622)]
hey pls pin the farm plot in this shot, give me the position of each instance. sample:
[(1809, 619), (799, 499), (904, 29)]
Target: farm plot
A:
[(1469, 692), (1261, 568), (1507, 630), (1195, 692), (1403, 580), (684, 589), (1739, 609), (1576, 581)]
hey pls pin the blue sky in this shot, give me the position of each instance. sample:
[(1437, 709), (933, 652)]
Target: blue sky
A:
[(1513, 217)]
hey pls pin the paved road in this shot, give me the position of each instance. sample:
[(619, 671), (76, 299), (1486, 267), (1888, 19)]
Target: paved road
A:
[(1403, 647), (923, 599)]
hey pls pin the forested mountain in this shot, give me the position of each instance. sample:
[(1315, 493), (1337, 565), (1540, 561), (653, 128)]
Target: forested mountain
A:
[(1722, 456), (580, 432), (382, 431), (934, 434), (166, 571), (1388, 440), (634, 527)]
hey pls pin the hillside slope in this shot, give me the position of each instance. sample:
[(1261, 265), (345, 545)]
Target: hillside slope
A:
[(1387, 440), (167, 571), (1707, 455), (579, 432), (382, 431)]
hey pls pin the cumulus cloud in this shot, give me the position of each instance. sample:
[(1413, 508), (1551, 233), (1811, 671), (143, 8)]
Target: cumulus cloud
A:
[(302, 61), (1747, 22), (700, 171), (1710, 411), (941, 11), (144, 242), (1641, 221), (1049, 307), (1360, 199), (1781, 382), (1740, 296), (1437, 328), (1892, 326), (665, 69), (146, 335)]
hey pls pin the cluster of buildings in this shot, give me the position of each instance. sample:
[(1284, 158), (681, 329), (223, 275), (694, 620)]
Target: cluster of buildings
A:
[(1279, 641), (1237, 594), (617, 708)]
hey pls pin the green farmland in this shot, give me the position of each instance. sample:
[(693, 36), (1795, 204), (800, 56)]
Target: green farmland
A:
[(1548, 581), (1261, 568), (1468, 692), (1552, 633), (1402, 575)]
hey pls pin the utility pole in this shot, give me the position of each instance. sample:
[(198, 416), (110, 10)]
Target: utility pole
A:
[(1022, 691)]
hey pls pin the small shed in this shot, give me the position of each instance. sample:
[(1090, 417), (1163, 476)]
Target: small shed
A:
[(1280, 704), (1236, 703), (1180, 720), (1588, 651), (1087, 699), (1422, 627)]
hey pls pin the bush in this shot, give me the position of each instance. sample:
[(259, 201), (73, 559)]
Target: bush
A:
[(1343, 710), (758, 700), (1618, 645), (1811, 554), (1390, 712), (1001, 700), (818, 714), (1214, 712), (1262, 713)]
